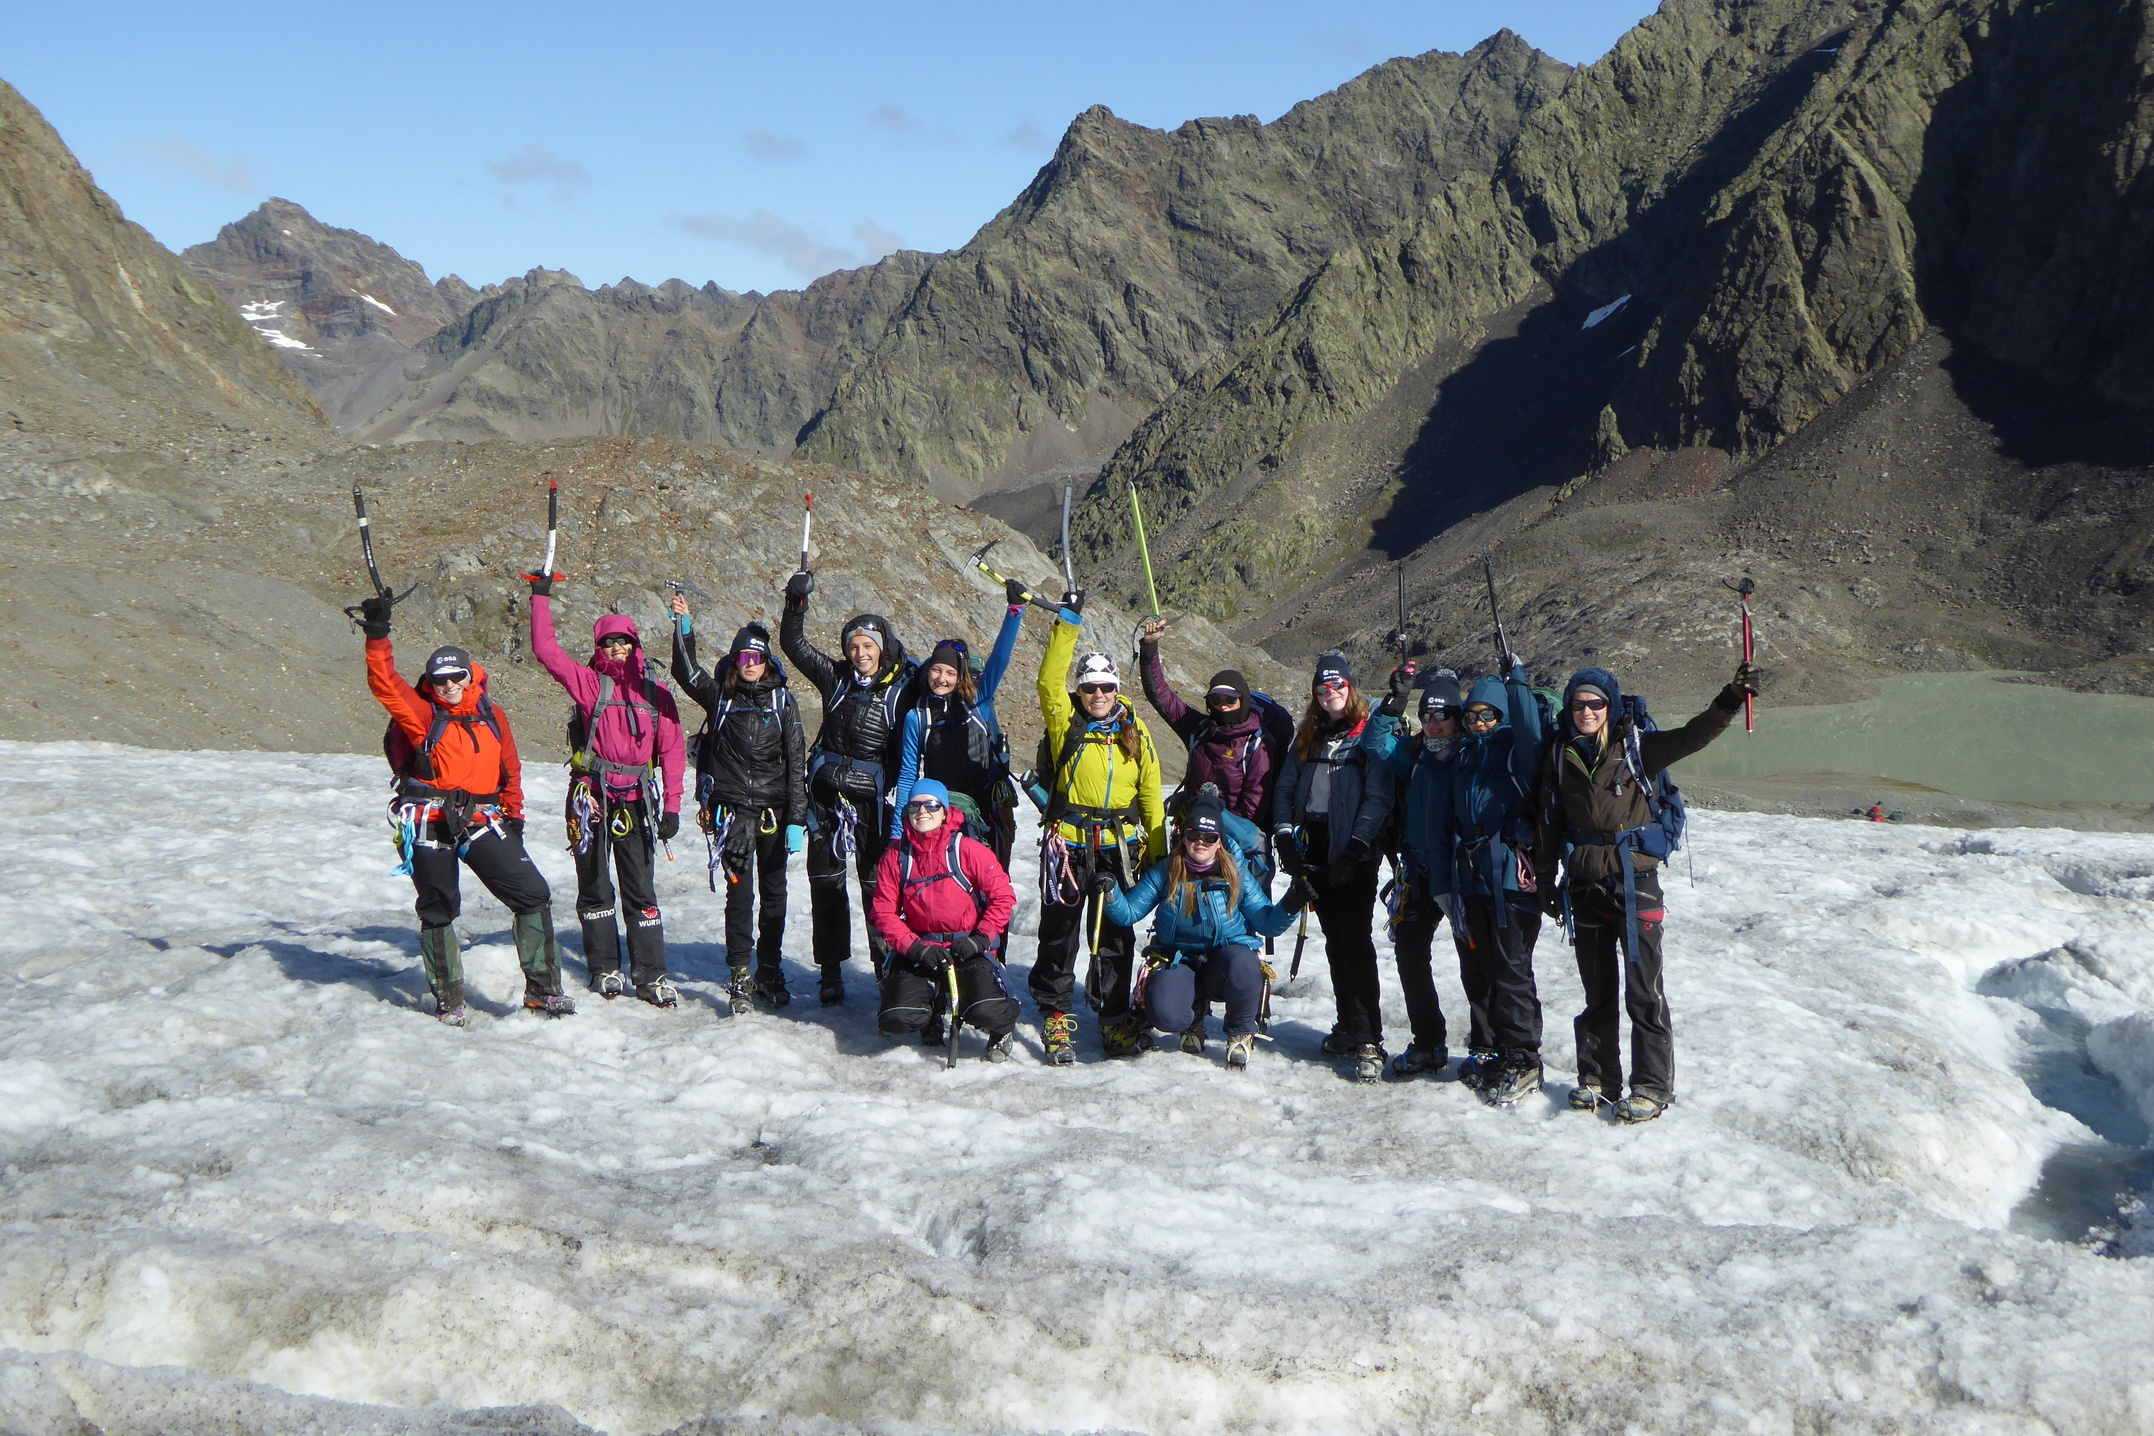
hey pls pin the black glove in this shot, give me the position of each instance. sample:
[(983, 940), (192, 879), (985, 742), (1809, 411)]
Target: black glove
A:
[(1287, 849), (541, 584), (1016, 592), (514, 827), (1743, 685), (374, 616), (930, 955), (668, 825), (1297, 897), (1073, 600), (970, 945), (1349, 859), (798, 587), (1104, 880), (1552, 900), (1402, 681)]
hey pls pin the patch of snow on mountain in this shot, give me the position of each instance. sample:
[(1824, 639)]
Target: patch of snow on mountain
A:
[(1604, 312), (235, 1147), (379, 305)]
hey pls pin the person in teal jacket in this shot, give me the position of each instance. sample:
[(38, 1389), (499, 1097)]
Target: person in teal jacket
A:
[(1204, 945), (952, 735), (1485, 847)]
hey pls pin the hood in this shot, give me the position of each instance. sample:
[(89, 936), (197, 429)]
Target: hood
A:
[(953, 821), (1599, 678), (473, 691), (1492, 692), (877, 627), (610, 624), (607, 626)]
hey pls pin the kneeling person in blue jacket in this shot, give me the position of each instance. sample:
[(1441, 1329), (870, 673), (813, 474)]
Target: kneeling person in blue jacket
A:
[(1212, 921)]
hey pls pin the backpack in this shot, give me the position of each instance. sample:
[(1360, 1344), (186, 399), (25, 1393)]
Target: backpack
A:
[(1663, 799), (949, 860), (406, 761), (1275, 730), (579, 731)]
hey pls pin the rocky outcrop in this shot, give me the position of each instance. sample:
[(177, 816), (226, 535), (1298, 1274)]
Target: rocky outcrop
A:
[(102, 330), (343, 311)]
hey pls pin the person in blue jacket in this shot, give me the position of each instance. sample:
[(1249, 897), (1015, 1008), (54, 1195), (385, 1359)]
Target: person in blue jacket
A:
[(1485, 845), (1212, 921), (1328, 814), (952, 735), (1420, 764)]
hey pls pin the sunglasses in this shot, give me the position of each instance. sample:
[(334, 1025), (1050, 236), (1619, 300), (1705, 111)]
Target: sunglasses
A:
[(1588, 705), (451, 678), (1331, 685), (923, 805), (1097, 688), (616, 641), (1201, 840), (1224, 701), (1482, 715)]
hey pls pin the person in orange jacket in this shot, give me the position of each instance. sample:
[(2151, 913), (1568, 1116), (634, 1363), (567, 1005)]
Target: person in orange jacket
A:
[(459, 797)]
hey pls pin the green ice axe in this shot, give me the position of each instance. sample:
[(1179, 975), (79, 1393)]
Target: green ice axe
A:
[(1145, 549)]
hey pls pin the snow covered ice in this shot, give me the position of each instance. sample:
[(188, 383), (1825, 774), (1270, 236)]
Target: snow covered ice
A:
[(244, 1169)]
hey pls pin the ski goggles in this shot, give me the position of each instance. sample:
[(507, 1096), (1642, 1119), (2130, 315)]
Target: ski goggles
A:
[(1483, 716)]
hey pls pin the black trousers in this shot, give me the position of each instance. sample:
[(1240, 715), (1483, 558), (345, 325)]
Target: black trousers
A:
[(1505, 955), (1413, 942), (827, 907), (1175, 997), (910, 997), (762, 877), (1063, 937), (499, 863), (1606, 978), (1347, 912), (624, 845)]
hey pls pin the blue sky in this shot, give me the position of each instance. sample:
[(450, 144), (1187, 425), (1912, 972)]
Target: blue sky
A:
[(754, 145)]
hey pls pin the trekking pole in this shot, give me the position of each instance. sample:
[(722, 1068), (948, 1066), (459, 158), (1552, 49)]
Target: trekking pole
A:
[(950, 1057), (807, 526), (1144, 550), (1750, 704), (1503, 640), (1069, 575)]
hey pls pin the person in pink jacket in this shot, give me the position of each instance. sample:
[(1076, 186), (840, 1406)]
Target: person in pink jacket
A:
[(624, 794), (942, 898)]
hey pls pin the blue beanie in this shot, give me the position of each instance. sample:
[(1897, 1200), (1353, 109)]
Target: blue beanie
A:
[(928, 788)]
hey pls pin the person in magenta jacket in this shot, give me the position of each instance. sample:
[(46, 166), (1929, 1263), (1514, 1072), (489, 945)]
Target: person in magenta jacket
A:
[(624, 795), (941, 898)]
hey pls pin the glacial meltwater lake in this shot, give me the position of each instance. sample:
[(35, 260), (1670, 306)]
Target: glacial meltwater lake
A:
[(1973, 734)]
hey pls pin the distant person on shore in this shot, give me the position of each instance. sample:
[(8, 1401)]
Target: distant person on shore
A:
[(851, 769), (1104, 820), (460, 797), (1204, 946), (1606, 812), (1328, 813), (624, 795), (952, 735), (751, 795), (1421, 765), (943, 899)]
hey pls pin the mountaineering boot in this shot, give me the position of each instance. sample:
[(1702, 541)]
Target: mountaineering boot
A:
[(1193, 1037), (608, 985), (1336, 1045), (1639, 1107), (451, 1016), (444, 965), (1124, 1036), (550, 1004), (1478, 1068), (659, 993), (1058, 1034), (770, 986), (1418, 1060), (1368, 1063), (741, 991), (646, 946), (998, 1048), (601, 944), (539, 956), (1588, 1096), (1238, 1050), (1517, 1077), (931, 1035), (832, 986)]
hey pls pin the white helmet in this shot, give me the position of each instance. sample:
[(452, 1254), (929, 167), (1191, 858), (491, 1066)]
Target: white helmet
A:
[(1097, 670)]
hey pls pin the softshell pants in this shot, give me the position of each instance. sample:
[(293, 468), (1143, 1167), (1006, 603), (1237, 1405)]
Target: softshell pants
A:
[(1607, 977), (625, 838), (1233, 975), (1347, 912), (1504, 952), (912, 995), (1063, 936), (1413, 942), (761, 879), (827, 905), (501, 865)]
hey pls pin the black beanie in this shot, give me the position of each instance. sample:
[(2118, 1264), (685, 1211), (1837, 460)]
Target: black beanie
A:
[(1206, 813), (752, 638), (1228, 679), (1333, 666)]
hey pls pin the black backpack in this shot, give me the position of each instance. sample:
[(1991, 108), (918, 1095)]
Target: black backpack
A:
[(406, 761)]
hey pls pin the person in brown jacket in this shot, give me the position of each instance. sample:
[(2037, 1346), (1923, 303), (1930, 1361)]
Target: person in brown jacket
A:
[(1601, 812)]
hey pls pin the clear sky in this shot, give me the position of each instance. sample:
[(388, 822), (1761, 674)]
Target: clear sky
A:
[(757, 145)]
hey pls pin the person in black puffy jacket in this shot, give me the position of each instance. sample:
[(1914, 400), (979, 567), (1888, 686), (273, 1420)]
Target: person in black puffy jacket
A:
[(751, 793), (851, 769)]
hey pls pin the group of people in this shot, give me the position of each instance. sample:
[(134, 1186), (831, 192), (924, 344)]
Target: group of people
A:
[(1498, 808)]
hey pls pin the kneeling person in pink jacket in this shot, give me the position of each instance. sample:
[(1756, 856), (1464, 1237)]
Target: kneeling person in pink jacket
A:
[(617, 806), (942, 898)]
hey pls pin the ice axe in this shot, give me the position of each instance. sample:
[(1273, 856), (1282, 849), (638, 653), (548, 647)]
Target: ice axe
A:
[(979, 561), (553, 530), (807, 527), (1144, 550), (366, 549), (1750, 704), (1503, 640), (1069, 574), (1399, 638)]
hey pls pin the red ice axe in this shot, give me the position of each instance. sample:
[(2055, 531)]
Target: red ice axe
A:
[(1750, 703)]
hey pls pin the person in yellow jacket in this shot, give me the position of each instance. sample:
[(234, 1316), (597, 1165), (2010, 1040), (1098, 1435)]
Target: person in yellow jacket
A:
[(1104, 821)]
